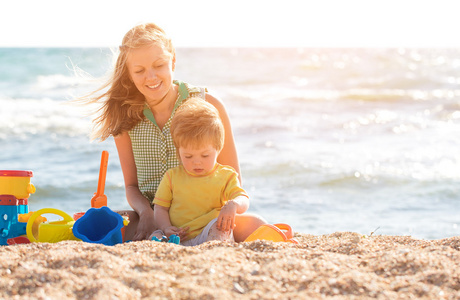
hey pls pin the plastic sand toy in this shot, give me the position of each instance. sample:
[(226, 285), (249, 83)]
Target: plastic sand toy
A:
[(15, 189), (274, 233), (100, 226), (51, 232)]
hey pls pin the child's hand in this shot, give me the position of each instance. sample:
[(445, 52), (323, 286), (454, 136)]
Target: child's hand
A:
[(180, 232), (226, 219), (170, 230)]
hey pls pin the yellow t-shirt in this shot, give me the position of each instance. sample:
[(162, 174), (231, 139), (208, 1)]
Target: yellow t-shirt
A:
[(194, 201)]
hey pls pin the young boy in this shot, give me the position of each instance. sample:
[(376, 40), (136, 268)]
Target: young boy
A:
[(199, 199)]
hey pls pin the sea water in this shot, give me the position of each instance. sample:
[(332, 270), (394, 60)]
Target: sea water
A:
[(363, 140)]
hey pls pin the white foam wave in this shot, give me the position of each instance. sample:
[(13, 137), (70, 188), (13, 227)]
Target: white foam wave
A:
[(20, 118), (57, 81), (270, 94), (59, 86)]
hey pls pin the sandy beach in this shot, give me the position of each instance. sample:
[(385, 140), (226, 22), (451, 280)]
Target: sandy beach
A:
[(336, 266)]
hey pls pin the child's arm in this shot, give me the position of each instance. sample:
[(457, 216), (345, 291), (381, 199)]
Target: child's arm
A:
[(226, 219), (162, 222), (242, 203)]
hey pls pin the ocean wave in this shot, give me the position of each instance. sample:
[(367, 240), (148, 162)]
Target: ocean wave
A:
[(54, 86), (20, 118), (271, 94), (58, 81)]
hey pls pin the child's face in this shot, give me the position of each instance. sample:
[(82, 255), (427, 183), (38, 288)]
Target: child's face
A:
[(198, 161), (151, 70)]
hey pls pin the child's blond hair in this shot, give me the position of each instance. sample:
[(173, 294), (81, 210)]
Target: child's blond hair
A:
[(197, 123)]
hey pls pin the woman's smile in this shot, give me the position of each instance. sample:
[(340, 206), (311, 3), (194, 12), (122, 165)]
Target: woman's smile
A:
[(155, 86)]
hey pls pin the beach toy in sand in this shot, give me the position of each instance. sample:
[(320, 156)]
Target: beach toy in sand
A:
[(15, 189), (18, 240), (99, 199), (174, 239), (53, 231), (100, 226), (103, 234), (275, 233), (23, 219)]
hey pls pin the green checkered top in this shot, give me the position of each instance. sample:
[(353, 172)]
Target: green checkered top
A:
[(153, 148)]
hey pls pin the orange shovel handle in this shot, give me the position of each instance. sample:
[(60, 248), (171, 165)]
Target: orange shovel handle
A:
[(99, 199), (286, 229), (102, 173)]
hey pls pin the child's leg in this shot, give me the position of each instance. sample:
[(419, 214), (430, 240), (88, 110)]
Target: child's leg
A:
[(246, 224), (219, 235)]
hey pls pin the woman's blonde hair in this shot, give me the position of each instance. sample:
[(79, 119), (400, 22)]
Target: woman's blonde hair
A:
[(122, 103), (197, 123)]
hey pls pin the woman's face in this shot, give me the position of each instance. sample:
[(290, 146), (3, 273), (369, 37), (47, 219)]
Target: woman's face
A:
[(151, 70)]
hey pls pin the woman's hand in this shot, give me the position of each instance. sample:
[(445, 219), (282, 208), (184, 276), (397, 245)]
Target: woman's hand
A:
[(145, 226), (226, 218)]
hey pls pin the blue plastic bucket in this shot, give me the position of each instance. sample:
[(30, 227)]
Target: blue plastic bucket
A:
[(99, 226)]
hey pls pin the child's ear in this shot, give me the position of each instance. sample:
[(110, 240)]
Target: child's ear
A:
[(178, 156)]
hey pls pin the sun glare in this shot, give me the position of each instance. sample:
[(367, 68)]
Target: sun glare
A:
[(239, 23)]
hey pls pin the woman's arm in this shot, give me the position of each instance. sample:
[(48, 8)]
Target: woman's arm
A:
[(136, 200), (228, 156)]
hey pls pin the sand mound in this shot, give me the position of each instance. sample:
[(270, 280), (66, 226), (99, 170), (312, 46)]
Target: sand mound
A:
[(339, 266)]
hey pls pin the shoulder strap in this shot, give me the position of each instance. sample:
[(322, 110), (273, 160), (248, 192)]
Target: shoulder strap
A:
[(185, 91)]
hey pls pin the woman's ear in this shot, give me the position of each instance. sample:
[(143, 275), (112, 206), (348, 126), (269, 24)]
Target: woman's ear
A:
[(173, 62)]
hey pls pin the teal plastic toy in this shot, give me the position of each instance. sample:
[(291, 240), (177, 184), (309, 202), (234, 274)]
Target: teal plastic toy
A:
[(174, 239)]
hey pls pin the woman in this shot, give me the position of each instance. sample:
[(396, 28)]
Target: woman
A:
[(137, 108)]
